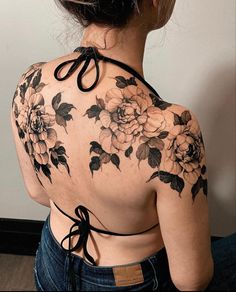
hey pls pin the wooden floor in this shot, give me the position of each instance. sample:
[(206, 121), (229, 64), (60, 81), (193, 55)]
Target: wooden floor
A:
[(16, 273)]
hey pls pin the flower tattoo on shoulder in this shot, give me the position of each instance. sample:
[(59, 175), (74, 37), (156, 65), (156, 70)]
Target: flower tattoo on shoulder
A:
[(132, 122), (35, 121), (127, 115)]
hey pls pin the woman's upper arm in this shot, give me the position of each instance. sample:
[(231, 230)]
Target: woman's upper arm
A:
[(182, 206), (18, 114)]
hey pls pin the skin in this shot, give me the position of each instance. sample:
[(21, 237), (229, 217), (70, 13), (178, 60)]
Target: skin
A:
[(136, 32), (153, 179)]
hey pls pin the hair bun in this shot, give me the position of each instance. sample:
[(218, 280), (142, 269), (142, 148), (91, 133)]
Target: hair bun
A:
[(116, 13)]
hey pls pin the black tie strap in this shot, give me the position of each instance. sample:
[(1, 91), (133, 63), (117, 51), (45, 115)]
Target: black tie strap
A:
[(83, 230), (88, 54)]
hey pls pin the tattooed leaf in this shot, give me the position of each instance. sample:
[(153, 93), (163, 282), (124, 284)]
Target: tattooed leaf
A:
[(185, 116), (93, 111), (96, 147), (37, 78), (163, 105), (120, 82), (26, 148), (204, 186), (54, 160), (46, 171), (54, 154), (165, 177), (196, 187), (36, 165), (94, 164), (100, 102), (158, 102), (29, 78), (115, 160), (142, 151), (62, 160), (155, 97), (201, 139), (67, 168), (55, 101), (163, 134), (177, 120), (68, 117), (131, 81), (154, 157), (128, 151), (20, 131), (40, 87), (177, 183), (105, 158), (97, 118), (16, 110), (60, 121), (64, 109), (155, 174), (23, 88), (156, 142), (203, 169), (61, 150)]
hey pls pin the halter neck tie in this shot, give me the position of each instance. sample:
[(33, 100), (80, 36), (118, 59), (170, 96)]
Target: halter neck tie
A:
[(87, 54)]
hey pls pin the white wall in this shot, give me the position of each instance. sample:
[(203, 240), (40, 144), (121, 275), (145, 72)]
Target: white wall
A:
[(190, 62)]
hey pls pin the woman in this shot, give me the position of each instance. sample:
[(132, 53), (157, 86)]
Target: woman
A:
[(123, 172)]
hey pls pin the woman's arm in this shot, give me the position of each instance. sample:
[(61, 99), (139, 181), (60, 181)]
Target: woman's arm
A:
[(33, 187), (32, 184), (182, 204)]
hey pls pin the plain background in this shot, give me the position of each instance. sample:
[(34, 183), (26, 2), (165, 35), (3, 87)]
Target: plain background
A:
[(190, 62)]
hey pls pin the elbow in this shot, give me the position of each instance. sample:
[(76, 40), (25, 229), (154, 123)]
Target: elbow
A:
[(39, 198), (42, 201), (198, 281), (199, 287)]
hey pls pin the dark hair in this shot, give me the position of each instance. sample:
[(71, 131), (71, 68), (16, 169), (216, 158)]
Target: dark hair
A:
[(114, 13)]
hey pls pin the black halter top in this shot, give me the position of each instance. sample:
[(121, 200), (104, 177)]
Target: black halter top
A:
[(82, 225)]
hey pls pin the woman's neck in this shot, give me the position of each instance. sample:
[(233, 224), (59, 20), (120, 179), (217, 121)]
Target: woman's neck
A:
[(126, 45)]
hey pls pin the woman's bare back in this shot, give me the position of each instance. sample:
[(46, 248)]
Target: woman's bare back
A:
[(103, 149)]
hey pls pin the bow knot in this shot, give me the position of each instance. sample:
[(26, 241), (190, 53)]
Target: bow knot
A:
[(82, 229), (87, 54)]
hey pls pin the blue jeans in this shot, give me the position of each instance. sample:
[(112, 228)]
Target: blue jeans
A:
[(152, 273)]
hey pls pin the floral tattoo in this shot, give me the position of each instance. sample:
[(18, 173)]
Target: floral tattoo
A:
[(128, 115), (35, 120)]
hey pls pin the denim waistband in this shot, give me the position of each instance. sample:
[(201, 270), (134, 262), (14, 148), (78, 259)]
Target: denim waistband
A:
[(153, 265)]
